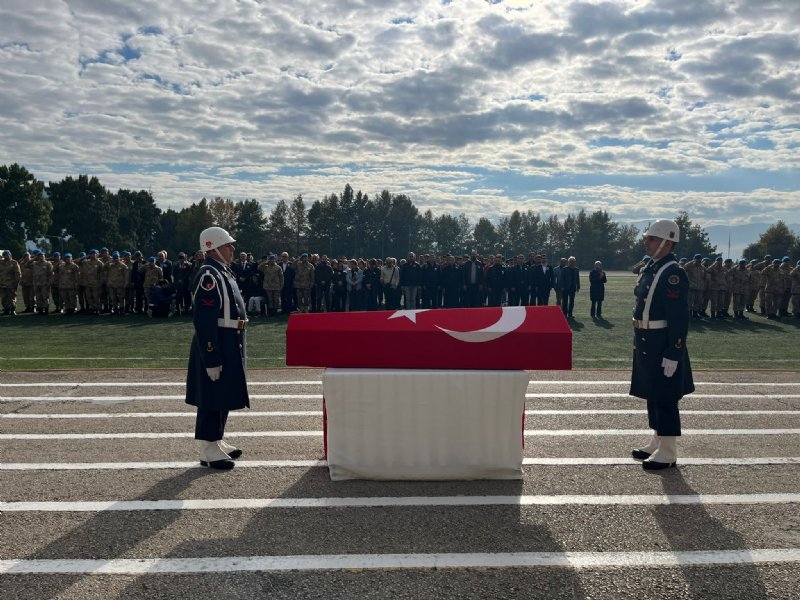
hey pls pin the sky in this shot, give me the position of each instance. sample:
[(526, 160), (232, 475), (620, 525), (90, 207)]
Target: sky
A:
[(640, 108)]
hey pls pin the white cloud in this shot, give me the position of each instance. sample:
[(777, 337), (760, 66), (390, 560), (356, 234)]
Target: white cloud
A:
[(268, 100)]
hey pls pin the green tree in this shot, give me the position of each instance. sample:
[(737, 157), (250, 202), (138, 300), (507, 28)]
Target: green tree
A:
[(24, 210), (402, 221), (83, 209), (167, 237), (447, 235), (426, 233), (485, 236), (694, 239), (251, 227), (279, 233), (298, 222), (139, 219), (191, 221), (224, 213), (778, 240)]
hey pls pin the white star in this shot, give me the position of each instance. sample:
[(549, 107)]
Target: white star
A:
[(411, 315)]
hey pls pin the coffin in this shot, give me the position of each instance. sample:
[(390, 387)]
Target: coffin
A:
[(496, 338)]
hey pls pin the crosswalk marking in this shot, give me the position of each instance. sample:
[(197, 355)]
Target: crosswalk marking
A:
[(318, 413), (399, 501), (241, 434), (305, 464), (532, 383), (322, 562)]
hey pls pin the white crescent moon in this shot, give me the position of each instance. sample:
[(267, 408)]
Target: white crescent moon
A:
[(511, 319)]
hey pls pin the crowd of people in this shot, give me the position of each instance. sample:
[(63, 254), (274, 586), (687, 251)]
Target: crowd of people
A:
[(119, 283)]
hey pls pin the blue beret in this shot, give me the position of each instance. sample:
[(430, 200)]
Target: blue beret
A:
[(93, 251), (56, 253), (151, 259), (742, 261), (304, 255), (6, 253), (115, 254), (728, 261), (37, 252), (646, 257), (718, 259), (81, 254), (68, 255), (777, 261), (786, 259), (126, 253), (768, 257), (271, 257), (698, 256), (103, 249), (684, 259)]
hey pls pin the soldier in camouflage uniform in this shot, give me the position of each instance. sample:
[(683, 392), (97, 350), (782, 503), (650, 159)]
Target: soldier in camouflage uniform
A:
[(697, 283), (42, 278), (706, 262), (753, 286), (760, 267), (773, 288), (104, 258), (68, 280), (717, 287), (130, 296), (794, 277), (738, 281), (786, 270), (28, 294), (92, 279), (10, 275), (303, 282), (273, 284), (54, 289), (117, 277), (151, 273), (726, 303)]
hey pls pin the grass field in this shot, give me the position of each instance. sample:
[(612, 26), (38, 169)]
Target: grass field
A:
[(79, 342)]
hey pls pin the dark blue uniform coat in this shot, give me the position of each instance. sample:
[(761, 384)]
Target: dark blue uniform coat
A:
[(670, 303), (213, 345)]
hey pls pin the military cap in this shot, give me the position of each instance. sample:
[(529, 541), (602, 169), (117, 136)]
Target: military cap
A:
[(777, 261), (304, 255), (698, 256), (786, 259), (126, 253), (81, 254), (645, 257), (26, 254), (151, 259), (103, 249), (742, 261), (182, 255), (137, 253), (272, 257), (93, 251), (728, 261), (56, 254), (753, 261), (718, 259), (683, 260), (68, 255), (37, 252), (6, 253), (768, 257), (115, 254)]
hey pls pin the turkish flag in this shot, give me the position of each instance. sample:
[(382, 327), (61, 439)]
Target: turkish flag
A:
[(511, 337)]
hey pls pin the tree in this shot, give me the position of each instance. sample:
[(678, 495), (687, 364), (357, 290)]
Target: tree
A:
[(402, 221), (167, 236), (251, 227), (279, 234), (447, 235), (25, 213), (694, 239), (426, 233), (191, 221), (139, 219), (485, 236), (298, 222), (224, 213), (85, 210), (778, 240)]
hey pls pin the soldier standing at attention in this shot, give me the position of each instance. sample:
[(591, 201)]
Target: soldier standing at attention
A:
[(717, 286), (303, 282), (92, 276), (785, 271), (739, 278), (753, 285), (116, 280), (216, 382), (697, 274), (68, 279), (42, 278), (151, 273), (773, 288), (795, 279), (28, 295), (661, 372), (10, 275)]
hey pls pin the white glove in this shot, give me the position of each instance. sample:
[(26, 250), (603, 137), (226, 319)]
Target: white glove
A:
[(670, 366), (215, 372)]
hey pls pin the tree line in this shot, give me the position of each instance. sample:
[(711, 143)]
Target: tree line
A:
[(77, 213)]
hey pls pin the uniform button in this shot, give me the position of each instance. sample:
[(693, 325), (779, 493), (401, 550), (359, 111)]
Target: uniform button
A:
[(644, 340), (240, 345)]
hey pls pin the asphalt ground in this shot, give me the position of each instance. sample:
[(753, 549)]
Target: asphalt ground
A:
[(724, 529)]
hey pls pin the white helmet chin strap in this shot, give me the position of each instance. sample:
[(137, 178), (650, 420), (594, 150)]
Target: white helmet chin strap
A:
[(657, 253), (221, 258)]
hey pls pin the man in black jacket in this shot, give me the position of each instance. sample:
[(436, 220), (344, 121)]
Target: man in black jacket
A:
[(543, 280), (473, 280)]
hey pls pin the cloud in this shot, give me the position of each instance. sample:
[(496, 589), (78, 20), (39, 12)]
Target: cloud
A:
[(447, 102)]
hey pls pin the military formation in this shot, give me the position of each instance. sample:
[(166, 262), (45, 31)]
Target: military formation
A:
[(721, 289), (118, 283)]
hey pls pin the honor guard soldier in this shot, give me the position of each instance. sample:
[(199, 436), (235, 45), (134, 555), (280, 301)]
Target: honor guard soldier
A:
[(216, 381), (661, 374)]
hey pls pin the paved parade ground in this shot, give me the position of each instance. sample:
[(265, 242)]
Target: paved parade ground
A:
[(101, 497)]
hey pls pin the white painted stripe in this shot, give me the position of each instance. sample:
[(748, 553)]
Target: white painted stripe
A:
[(328, 562), (168, 415), (528, 462), (397, 501), (318, 413), (532, 383), (241, 434), (149, 384), (587, 394), (148, 397)]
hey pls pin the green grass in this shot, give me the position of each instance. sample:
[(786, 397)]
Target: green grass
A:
[(78, 342)]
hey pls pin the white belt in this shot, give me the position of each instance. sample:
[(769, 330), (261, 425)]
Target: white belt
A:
[(240, 324), (638, 324)]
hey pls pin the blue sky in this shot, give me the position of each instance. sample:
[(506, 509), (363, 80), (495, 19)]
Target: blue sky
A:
[(641, 108)]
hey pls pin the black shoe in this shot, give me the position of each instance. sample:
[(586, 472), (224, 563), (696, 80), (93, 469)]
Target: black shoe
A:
[(234, 454), (650, 465), (640, 454), (222, 465)]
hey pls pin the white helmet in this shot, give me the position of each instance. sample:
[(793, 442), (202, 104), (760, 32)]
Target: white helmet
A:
[(214, 237), (664, 229)]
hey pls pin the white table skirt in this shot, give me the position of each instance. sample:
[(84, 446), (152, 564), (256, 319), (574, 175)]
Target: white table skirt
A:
[(424, 424)]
